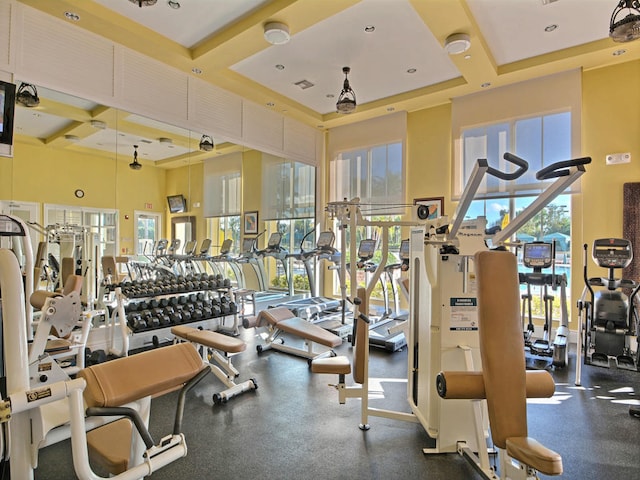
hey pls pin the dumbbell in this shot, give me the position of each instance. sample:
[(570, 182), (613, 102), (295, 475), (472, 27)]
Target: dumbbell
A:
[(136, 322)]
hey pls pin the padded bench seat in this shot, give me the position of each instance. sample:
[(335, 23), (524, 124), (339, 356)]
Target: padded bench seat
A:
[(217, 354), (210, 339), (339, 365), (281, 319)]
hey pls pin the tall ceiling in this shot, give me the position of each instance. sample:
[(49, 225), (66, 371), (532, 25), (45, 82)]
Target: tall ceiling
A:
[(395, 48)]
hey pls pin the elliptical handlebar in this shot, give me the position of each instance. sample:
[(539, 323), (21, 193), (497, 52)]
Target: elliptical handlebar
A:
[(522, 165), (561, 169)]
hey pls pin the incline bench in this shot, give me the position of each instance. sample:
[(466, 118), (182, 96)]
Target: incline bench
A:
[(217, 354), (123, 389), (281, 319)]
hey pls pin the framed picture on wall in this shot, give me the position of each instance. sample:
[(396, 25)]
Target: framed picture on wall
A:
[(429, 208), (250, 222)]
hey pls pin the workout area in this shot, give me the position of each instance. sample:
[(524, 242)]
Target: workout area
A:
[(313, 239)]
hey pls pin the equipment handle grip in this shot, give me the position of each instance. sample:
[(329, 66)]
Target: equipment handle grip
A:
[(561, 169), (522, 165)]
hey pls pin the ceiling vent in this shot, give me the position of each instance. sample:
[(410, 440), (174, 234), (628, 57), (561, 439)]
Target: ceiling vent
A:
[(304, 84)]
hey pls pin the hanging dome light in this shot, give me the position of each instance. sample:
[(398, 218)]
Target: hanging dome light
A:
[(144, 3), (206, 143), (27, 95), (347, 100), (626, 29), (135, 165)]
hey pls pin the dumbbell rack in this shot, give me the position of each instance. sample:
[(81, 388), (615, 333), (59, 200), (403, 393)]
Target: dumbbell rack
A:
[(144, 312)]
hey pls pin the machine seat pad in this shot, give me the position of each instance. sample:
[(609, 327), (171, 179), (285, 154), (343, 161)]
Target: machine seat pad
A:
[(109, 446), (210, 339), (308, 331), (338, 365), (532, 453), (153, 372)]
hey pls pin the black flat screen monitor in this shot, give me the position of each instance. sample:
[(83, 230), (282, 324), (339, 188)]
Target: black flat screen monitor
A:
[(177, 203), (7, 107)]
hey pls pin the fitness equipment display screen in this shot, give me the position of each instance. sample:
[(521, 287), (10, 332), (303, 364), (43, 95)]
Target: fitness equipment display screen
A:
[(537, 255), (274, 240), (404, 250), (325, 239), (247, 245), (366, 249), (226, 246), (612, 252)]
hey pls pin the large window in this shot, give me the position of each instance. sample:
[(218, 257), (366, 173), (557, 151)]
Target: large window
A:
[(373, 174), (541, 141), (223, 186), (288, 208)]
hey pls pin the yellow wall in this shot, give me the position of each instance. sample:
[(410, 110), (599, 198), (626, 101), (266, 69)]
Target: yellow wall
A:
[(51, 175)]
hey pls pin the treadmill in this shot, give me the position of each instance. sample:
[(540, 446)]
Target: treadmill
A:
[(322, 311)]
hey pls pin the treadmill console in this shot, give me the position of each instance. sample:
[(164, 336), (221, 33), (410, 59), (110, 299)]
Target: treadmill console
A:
[(537, 255), (274, 241), (366, 249), (325, 240), (226, 246), (612, 252), (247, 245)]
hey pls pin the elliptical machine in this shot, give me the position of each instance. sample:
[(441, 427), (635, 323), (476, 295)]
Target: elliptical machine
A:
[(608, 318), (538, 256)]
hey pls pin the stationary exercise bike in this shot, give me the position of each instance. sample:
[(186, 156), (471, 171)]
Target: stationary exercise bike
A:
[(608, 316), (538, 256)]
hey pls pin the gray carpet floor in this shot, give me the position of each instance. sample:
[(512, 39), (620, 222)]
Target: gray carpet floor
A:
[(293, 427)]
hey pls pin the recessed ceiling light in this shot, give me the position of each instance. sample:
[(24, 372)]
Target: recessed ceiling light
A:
[(467, 57), (74, 17), (174, 5), (370, 28), (412, 70), (271, 104), (280, 66), (72, 138), (196, 70), (617, 53), (99, 124), (486, 84), (550, 28)]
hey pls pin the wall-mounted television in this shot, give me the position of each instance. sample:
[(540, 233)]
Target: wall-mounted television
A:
[(177, 203), (7, 107)]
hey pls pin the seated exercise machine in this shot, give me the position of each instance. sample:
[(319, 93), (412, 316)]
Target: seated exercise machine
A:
[(216, 350), (608, 317), (503, 382), (538, 256), (42, 405), (444, 325)]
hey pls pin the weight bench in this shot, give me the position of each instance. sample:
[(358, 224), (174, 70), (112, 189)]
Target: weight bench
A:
[(123, 389), (504, 381), (217, 352), (280, 320)]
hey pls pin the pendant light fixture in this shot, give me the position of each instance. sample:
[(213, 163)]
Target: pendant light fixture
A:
[(27, 95), (144, 3), (206, 143), (347, 100), (625, 29), (135, 165)]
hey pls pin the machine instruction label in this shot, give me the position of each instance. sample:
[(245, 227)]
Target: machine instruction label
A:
[(464, 313)]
